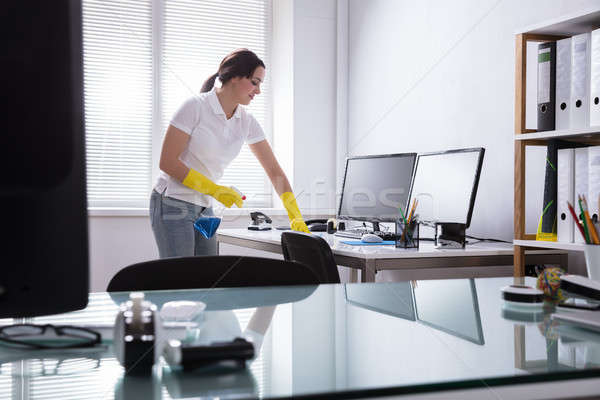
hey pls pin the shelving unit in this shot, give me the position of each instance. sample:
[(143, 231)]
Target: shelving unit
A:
[(550, 31), (584, 135), (549, 245)]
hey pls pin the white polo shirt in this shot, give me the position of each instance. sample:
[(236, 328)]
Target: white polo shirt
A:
[(214, 142)]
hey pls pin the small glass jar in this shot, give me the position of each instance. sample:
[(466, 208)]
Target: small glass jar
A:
[(407, 236)]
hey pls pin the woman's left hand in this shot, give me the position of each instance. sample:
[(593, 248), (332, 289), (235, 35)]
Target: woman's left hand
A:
[(298, 224)]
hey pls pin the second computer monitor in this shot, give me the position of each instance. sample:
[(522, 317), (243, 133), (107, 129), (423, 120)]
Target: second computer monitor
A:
[(376, 186), (445, 185)]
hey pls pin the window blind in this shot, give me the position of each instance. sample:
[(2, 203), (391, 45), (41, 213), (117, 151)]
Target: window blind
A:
[(196, 36), (140, 64), (117, 54)]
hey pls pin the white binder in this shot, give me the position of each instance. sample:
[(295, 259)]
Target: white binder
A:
[(563, 83), (595, 78), (580, 80), (564, 193), (581, 181), (593, 181)]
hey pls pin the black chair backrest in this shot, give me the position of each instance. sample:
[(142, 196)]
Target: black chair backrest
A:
[(313, 251), (209, 272)]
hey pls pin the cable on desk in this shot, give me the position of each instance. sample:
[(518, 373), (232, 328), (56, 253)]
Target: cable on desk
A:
[(487, 239)]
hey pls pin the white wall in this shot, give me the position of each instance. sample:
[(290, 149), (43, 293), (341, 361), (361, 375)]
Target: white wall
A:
[(435, 75)]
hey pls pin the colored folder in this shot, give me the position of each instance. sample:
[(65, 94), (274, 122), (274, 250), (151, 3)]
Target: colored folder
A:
[(546, 90)]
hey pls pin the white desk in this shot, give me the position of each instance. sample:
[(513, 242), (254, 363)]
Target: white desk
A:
[(475, 260)]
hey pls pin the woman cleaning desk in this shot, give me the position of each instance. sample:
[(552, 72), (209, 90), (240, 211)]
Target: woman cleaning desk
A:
[(204, 136)]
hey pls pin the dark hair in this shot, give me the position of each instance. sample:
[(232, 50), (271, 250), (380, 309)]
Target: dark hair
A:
[(241, 62)]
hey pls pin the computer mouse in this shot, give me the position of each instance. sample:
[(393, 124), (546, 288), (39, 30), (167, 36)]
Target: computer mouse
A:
[(370, 238)]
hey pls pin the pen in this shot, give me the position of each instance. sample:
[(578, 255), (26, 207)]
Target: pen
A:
[(405, 224), (591, 228), (577, 222), (585, 227), (402, 214)]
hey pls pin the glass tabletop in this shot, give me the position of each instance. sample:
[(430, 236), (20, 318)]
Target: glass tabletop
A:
[(367, 339)]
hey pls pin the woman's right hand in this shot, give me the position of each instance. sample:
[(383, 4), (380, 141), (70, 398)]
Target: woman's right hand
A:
[(227, 196)]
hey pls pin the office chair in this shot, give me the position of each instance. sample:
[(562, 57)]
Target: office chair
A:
[(312, 251), (209, 272)]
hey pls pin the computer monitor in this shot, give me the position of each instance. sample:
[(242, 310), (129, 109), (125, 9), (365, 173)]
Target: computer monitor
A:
[(376, 186), (43, 193), (445, 185)]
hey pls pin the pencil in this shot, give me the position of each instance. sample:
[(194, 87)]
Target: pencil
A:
[(412, 210), (591, 227), (577, 222)]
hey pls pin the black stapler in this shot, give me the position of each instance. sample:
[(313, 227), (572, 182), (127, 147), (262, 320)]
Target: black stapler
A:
[(581, 287), (260, 222)]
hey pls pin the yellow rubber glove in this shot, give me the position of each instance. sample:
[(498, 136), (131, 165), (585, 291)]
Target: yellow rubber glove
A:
[(296, 220), (228, 196)]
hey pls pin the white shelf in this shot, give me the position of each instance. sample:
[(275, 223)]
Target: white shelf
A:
[(567, 25), (550, 245), (561, 134)]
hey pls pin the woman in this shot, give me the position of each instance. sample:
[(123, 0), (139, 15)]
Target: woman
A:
[(203, 137)]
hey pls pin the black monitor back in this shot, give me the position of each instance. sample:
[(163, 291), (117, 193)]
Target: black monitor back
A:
[(42, 197)]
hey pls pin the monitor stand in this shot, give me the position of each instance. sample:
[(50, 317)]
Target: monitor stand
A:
[(450, 235), (375, 226)]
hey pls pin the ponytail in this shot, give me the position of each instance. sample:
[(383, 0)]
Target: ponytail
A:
[(209, 83), (241, 62)]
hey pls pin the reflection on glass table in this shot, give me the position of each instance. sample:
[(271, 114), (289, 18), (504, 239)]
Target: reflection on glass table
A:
[(330, 341), (392, 299), (450, 306), (584, 345), (217, 383), (457, 313), (568, 347)]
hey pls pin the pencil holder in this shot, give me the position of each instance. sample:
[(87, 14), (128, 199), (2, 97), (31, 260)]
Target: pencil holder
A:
[(407, 236), (592, 261)]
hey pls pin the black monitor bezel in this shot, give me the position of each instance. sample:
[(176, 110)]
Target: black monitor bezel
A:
[(360, 218), (481, 152)]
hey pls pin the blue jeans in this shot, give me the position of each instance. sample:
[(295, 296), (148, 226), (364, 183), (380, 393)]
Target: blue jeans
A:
[(173, 226)]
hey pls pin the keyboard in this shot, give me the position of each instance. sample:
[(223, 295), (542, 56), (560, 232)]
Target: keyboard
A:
[(350, 234), (357, 234)]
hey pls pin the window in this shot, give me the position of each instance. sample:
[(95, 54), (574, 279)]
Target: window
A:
[(142, 59)]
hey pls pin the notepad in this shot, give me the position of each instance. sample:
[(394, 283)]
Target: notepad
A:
[(359, 243)]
